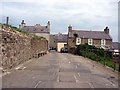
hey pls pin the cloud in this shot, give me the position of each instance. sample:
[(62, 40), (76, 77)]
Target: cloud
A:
[(81, 14)]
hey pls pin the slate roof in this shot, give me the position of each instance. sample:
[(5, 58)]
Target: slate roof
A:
[(60, 37), (115, 45), (90, 34), (36, 29)]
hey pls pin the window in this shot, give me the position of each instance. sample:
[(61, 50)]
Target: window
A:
[(78, 41), (103, 42), (90, 41), (69, 33)]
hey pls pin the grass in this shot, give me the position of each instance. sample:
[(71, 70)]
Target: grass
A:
[(91, 53), (24, 32), (38, 37), (109, 63)]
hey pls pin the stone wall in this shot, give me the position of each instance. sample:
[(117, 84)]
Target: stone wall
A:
[(53, 42), (96, 42), (18, 48), (39, 47)]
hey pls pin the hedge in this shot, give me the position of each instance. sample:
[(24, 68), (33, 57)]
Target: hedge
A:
[(96, 54)]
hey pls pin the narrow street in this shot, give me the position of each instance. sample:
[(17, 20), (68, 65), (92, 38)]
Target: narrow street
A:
[(60, 70)]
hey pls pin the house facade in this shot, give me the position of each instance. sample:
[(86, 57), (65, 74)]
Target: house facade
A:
[(58, 41), (39, 30), (100, 39), (115, 47)]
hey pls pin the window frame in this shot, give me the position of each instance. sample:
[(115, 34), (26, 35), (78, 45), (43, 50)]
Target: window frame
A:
[(103, 42), (77, 41), (90, 41)]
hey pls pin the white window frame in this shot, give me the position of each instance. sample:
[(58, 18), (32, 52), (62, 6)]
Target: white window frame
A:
[(103, 42), (69, 33), (78, 41), (90, 41)]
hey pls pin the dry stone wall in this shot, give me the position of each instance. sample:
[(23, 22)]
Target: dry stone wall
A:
[(17, 48)]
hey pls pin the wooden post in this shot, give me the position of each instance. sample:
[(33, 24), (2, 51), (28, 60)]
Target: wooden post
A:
[(104, 57), (7, 20), (119, 61), (113, 59), (119, 65), (114, 66), (98, 55)]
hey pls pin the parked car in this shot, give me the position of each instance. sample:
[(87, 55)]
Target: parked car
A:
[(64, 50), (52, 48)]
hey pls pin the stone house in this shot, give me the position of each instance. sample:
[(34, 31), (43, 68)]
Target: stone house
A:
[(115, 47), (100, 39), (58, 41), (39, 30)]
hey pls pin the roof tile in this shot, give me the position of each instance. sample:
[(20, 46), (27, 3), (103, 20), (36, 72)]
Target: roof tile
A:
[(91, 34), (36, 29)]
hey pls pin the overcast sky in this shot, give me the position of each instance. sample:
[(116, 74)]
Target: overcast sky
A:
[(81, 14)]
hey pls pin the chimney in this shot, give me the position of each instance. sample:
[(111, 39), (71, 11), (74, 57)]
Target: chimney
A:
[(48, 23), (48, 26), (106, 30), (7, 20), (69, 28), (23, 22)]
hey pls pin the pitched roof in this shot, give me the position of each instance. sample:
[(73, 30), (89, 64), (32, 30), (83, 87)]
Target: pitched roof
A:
[(36, 29), (60, 37), (90, 34), (115, 45)]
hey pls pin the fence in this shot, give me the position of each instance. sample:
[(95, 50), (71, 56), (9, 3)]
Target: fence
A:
[(114, 59), (108, 58)]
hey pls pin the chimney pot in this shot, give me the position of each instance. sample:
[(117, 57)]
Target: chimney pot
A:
[(106, 30)]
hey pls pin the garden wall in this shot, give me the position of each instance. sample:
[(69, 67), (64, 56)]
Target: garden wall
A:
[(17, 48)]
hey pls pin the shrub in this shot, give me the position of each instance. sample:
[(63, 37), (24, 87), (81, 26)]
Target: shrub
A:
[(96, 54), (109, 63), (38, 37)]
